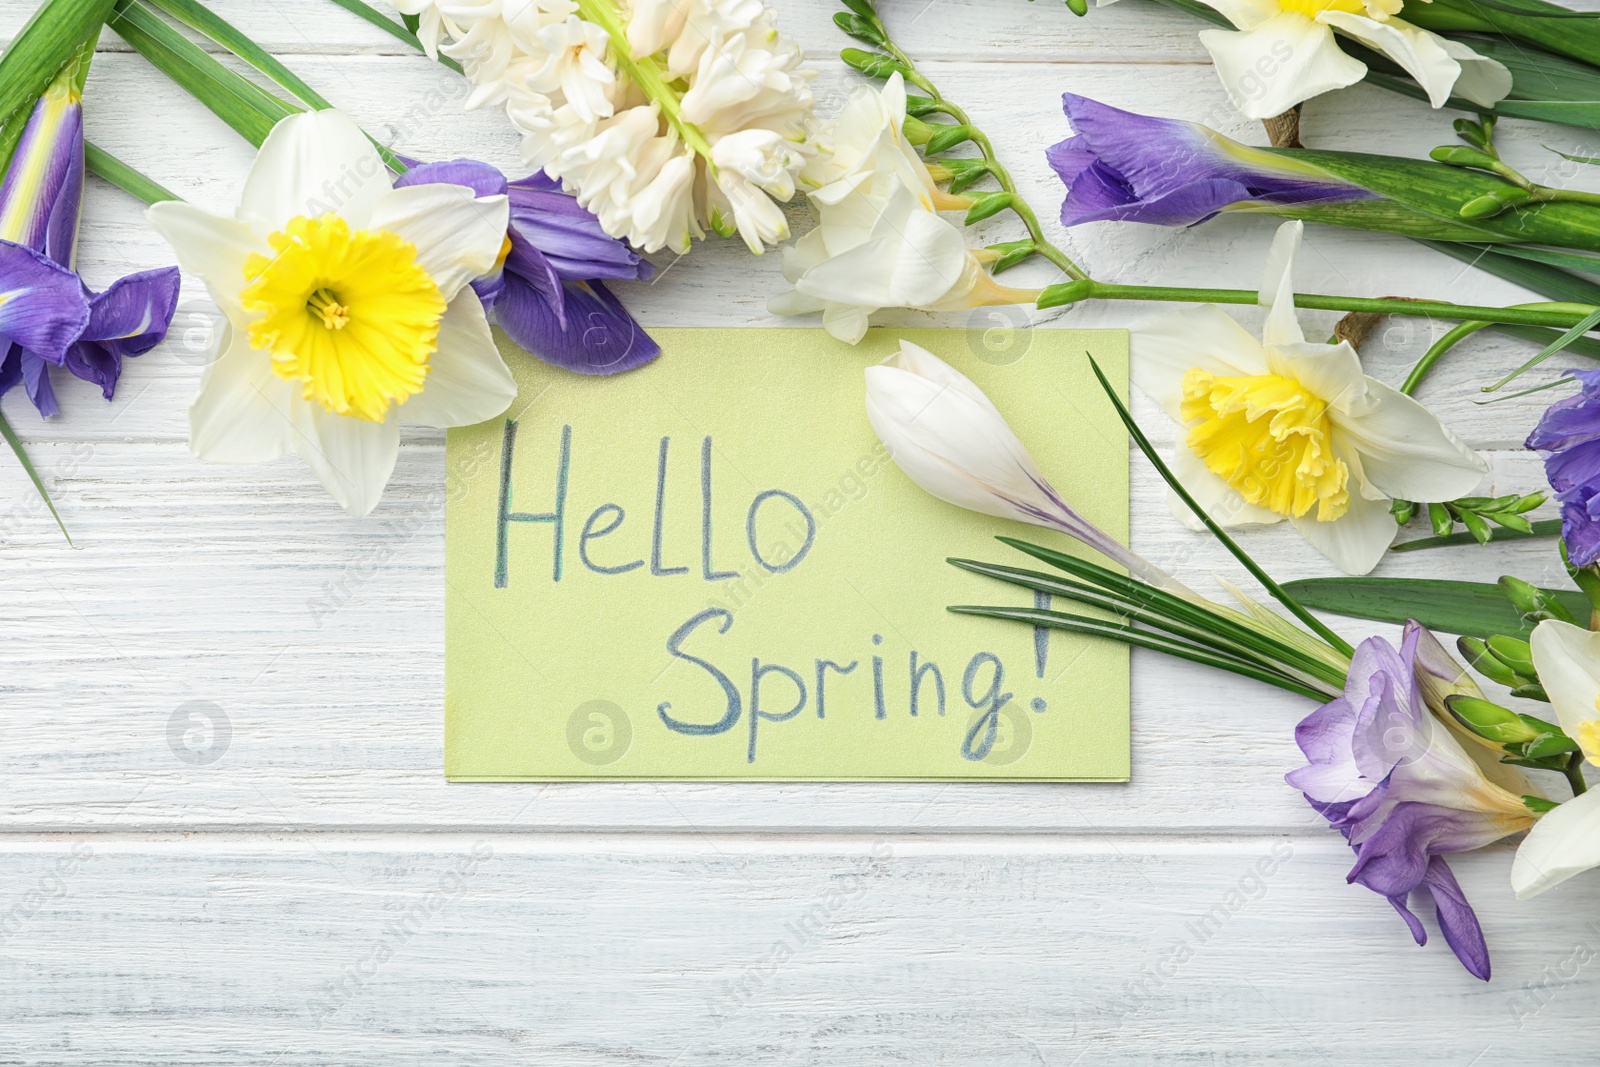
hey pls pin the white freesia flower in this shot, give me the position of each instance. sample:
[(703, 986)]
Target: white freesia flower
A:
[(1283, 428), (344, 314), (879, 240), (950, 439), (1565, 841), (1284, 52), (630, 107)]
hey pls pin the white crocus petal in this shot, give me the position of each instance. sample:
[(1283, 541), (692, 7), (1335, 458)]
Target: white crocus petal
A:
[(1357, 540), (1171, 344), (1567, 658), (1415, 49), (917, 360), (1483, 81), (468, 382), (1220, 500), (211, 247), (243, 413), (351, 457), (1245, 14), (1277, 287), (458, 237), (1406, 451), (1564, 842), (311, 164), (1314, 64)]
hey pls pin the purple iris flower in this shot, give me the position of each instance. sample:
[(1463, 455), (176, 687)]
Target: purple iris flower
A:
[(1403, 791), (1568, 437), (1123, 167), (47, 315), (548, 296)]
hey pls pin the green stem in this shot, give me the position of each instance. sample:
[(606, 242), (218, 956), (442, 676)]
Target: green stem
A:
[(404, 33), (1019, 206), (124, 177), (1574, 773), (647, 75), (1437, 351), (11, 439), (1560, 315)]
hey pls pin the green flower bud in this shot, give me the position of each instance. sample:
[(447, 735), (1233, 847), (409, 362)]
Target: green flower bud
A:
[(1460, 156), (1514, 654), (1490, 720), (1493, 203), (1534, 603), (1478, 656)]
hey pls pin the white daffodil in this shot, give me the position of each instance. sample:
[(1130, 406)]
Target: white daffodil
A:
[(1565, 841), (879, 240), (348, 308), (1283, 428), (1284, 52)]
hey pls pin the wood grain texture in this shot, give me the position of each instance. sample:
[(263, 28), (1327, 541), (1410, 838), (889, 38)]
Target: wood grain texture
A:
[(229, 694)]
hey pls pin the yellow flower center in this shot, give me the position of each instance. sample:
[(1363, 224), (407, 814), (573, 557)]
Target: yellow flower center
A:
[(1589, 737), (350, 315), (1312, 8), (1270, 439)]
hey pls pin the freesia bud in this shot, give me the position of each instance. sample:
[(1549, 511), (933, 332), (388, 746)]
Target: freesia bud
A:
[(1476, 652), (1490, 720), (949, 438)]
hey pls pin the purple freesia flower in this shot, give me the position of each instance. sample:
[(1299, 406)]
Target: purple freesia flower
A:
[(1404, 793), (47, 315), (1123, 167), (548, 295), (1568, 437)]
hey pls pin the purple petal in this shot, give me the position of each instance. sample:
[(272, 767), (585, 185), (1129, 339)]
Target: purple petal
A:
[(1419, 933), (36, 380), (1580, 527), (481, 178), (43, 306), (1578, 465), (1124, 166), (599, 336), (94, 362), (43, 187), (571, 238), (539, 181), (131, 317), (1457, 921), (538, 275), (1395, 857)]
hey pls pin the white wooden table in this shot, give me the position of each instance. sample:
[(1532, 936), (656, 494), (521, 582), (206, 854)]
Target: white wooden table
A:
[(298, 884)]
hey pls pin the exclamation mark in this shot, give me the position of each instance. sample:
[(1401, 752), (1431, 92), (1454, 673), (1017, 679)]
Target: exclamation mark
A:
[(1041, 645)]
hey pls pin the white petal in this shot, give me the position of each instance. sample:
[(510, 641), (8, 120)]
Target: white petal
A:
[(351, 457), (1277, 288), (1406, 451), (1562, 843), (924, 364), (211, 247), (458, 238), (243, 412), (912, 259), (1568, 661), (1483, 81), (1163, 349), (1415, 49), (1219, 499), (1332, 372), (1357, 540), (1302, 55), (468, 382), (847, 323), (310, 164), (1245, 14)]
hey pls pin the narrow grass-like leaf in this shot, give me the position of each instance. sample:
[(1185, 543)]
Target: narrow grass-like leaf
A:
[(1541, 528), (1128, 635), (203, 20), (1278, 592), (124, 177), (38, 483), (406, 33), (1522, 267), (1471, 609), (37, 53), (1587, 323)]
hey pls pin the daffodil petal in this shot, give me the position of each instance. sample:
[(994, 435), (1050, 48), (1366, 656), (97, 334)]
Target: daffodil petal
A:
[(1564, 842), (1483, 80), (1568, 661), (458, 238), (1357, 540), (243, 412), (1406, 451), (1332, 372), (1277, 288), (310, 164), (352, 458), (1165, 348), (1219, 499), (1415, 49), (211, 247), (1245, 14), (1314, 64), (468, 382)]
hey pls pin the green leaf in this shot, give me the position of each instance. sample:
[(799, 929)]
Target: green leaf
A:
[(1475, 609), (964, 172), (863, 8), (1539, 805), (38, 483), (406, 33), (947, 137), (1541, 528), (861, 29), (1011, 253), (873, 64), (987, 205), (36, 55), (917, 106), (1587, 323), (124, 177)]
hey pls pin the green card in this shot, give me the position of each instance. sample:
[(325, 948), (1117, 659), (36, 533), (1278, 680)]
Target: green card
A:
[(709, 568)]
